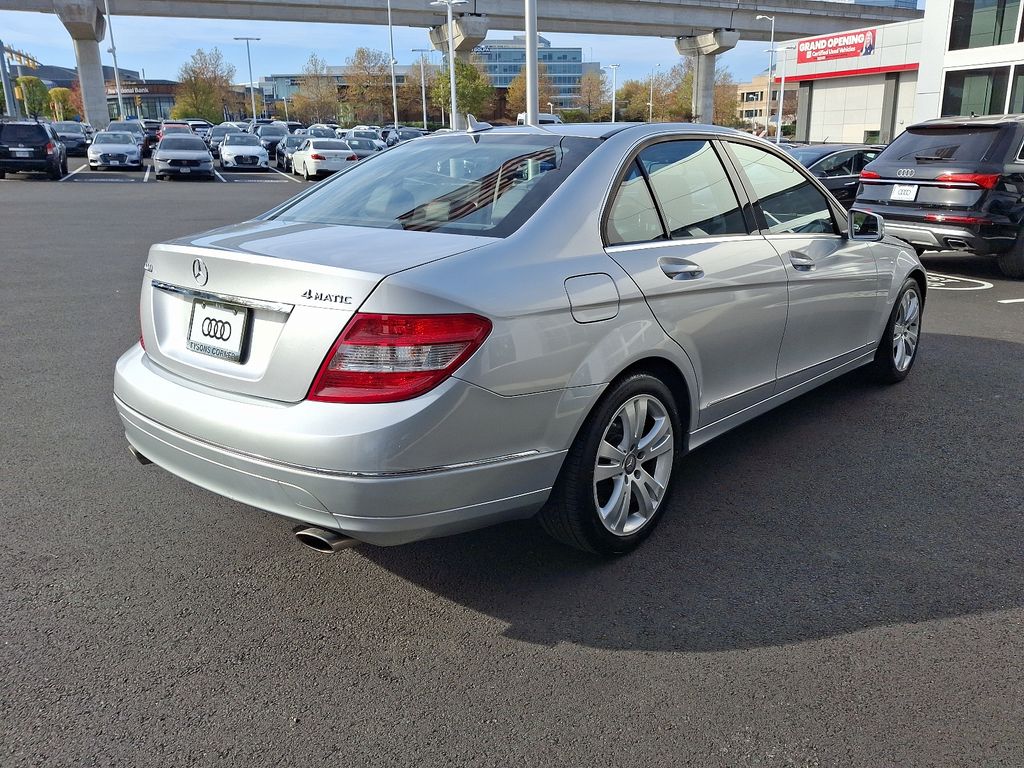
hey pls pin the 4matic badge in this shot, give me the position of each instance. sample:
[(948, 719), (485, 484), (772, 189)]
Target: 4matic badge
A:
[(333, 298)]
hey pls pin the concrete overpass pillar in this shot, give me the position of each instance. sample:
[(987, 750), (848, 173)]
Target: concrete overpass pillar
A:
[(87, 27), (467, 33), (704, 50)]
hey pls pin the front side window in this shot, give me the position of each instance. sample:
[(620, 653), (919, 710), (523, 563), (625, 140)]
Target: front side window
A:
[(693, 189), (789, 201), (633, 217), (486, 184), (839, 164)]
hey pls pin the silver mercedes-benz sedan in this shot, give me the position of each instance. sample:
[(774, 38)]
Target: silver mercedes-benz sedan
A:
[(485, 326)]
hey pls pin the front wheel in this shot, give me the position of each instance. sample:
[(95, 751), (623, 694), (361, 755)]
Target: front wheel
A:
[(897, 350), (616, 478)]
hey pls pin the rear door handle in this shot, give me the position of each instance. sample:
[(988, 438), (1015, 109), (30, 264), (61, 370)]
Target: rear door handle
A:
[(800, 261), (685, 270)]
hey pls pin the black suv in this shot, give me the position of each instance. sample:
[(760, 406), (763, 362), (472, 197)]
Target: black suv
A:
[(954, 184), (31, 147)]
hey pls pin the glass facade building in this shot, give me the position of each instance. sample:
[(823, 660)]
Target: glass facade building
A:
[(502, 60)]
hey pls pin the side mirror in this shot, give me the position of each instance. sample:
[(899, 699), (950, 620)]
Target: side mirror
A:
[(865, 226)]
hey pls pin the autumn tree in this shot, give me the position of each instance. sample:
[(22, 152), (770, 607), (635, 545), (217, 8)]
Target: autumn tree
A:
[(473, 91), (34, 95), (515, 97), (593, 93), (410, 94), (60, 104), (316, 100), (75, 98), (368, 85), (204, 82)]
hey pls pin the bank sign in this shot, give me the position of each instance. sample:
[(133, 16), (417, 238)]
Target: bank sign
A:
[(845, 45)]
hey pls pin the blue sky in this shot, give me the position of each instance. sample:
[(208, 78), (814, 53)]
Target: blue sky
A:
[(160, 46)]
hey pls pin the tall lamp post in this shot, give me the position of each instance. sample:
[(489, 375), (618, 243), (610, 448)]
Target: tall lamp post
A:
[(453, 109), (252, 88), (615, 70), (112, 50), (423, 83), (394, 87), (782, 90), (771, 66), (650, 104)]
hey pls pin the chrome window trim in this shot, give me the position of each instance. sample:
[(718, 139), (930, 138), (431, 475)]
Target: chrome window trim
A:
[(620, 247), (273, 306)]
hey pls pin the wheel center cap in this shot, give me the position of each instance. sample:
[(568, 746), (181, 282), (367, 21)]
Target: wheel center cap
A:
[(630, 464)]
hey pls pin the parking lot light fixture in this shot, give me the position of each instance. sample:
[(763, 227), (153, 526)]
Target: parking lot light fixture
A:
[(394, 86), (252, 88), (112, 50), (615, 69), (423, 83), (782, 90), (771, 66), (453, 111)]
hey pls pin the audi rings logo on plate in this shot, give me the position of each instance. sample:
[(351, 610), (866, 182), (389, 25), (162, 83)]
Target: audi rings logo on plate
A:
[(216, 329), (905, 173), (199, 271)]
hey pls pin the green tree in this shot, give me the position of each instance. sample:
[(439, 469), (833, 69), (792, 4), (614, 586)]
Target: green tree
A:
[(34, 95), (204, 83), (515, 96), (61, 104), (473, 91)]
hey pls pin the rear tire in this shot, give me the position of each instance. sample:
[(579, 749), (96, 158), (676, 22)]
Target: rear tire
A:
[(901, 339), (305, 173), (1011, 263), (3, 174), (616, 479)]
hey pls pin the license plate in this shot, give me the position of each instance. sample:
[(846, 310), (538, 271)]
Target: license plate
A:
[(217, 329), (115, 162), (22, 152), (904, 192), (186, 170)]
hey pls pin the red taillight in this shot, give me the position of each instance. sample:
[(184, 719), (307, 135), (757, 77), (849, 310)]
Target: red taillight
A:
[(869, 175), (983, 180), (50, 147), (315, 156), (387, 358), (350, 158), (952, 218)]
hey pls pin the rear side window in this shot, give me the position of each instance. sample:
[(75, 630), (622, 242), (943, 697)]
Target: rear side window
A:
[(632, 217), (12, 133), (839, 164), (931, 145), (693, 189), (790, 202)]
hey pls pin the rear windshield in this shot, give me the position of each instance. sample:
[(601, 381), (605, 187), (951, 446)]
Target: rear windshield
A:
[(925, 145), (361, 144), (363, 135), (273, 130), (321, 132), (222, 131), (68, 128), (328, 144), (487, 184), (123, 126), (197, 145), (294, 141), (13, 132)]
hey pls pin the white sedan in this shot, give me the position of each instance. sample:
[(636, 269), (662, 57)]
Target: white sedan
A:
[(243, 150), (317, 156), (114, 149)]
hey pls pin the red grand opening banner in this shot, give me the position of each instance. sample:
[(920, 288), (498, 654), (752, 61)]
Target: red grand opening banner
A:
[(844, 45)]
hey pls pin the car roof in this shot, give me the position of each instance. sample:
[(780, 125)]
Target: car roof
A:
[(959, 122), (606, 130)]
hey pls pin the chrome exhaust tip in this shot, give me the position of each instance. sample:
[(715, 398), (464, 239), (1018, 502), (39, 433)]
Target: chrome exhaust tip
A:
[(323, 541), (141, 459)]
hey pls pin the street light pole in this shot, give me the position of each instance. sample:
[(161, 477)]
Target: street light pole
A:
[(453, 107), (782, 92), (394, 87), (532, 86), (252, 89), (112, 50), (650, 104), (615, 70), (423, 83), (771, 66)]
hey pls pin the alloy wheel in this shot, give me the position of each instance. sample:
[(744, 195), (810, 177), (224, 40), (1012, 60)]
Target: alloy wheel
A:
[(906, 330), (634, 464)]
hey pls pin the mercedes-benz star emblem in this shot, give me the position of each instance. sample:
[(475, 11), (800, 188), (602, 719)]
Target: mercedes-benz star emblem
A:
[(199, 271)]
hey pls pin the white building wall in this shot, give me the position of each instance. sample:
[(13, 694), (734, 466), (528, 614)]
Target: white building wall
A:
[(905, 101), (842, 109)]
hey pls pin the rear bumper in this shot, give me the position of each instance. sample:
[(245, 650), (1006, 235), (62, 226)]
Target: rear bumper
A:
[(29, 166), (981, 239), (293, 474)]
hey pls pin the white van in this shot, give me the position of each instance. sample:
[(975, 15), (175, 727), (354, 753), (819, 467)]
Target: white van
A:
[(544, 118)]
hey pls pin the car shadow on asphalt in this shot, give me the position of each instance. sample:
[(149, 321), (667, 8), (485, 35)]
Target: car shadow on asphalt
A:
[(966, 264), (855, 506)]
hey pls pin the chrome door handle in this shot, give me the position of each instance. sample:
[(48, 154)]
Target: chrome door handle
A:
[(850, 184), (684, 271), (801, 262)]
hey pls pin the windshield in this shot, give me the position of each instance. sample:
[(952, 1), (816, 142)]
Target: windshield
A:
[(196, 145), (177, 129), (364, 135), (942, 143), (118, 125), (241, 139), (293, 141), (220, 131), (113, 138), (808, 155), (479, 185), (361, 144), (68, 128), (272, 130)]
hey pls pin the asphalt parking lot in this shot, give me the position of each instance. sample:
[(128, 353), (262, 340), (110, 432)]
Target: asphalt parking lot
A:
[(838, 583)]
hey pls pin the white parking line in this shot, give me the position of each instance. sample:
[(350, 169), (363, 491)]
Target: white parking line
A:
[(286, 175), (217, 174), (79, 168), (1011, 301), (146, 177)]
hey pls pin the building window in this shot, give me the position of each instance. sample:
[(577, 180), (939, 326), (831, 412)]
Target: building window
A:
[(1017, 91), (975, 91), (979, 23)]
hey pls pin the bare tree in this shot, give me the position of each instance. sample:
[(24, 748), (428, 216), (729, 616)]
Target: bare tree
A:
[(593, 93), (316, 101), (368, 84)]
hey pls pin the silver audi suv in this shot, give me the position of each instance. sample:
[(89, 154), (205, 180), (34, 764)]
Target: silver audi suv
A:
[(491, 325)]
